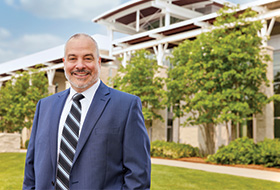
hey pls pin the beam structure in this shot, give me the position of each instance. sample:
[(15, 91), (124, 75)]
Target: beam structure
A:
[(176, 11)]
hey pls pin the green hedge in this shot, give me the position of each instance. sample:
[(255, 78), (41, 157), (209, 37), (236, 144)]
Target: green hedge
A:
[(268, 153), (245, 151), (173, 150)]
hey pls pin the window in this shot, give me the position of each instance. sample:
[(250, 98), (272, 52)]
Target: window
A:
[(276, 75)]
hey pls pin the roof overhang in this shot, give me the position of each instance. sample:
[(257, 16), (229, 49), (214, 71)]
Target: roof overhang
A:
[(49, 59), (189, 28)]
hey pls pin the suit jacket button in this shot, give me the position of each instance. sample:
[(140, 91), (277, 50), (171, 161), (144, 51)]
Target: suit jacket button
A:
[(53, 183)]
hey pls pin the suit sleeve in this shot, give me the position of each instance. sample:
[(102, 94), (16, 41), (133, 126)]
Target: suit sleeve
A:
[(29, 175), (136, 154)]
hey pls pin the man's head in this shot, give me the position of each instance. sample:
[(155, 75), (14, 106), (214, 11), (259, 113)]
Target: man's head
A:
[(82, 63)]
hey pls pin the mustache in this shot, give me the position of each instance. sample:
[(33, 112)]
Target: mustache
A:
[(80, 71)]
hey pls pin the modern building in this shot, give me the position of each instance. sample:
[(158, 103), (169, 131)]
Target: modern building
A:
[(159, 26)]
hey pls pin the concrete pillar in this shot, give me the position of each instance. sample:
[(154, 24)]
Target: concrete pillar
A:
[(264, 123), (51, 74), (158, 129), (52, 89)]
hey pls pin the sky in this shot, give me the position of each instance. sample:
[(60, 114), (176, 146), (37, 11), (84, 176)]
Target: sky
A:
[(30, 26)]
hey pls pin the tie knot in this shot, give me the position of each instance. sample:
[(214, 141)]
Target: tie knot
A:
[(77, 97)]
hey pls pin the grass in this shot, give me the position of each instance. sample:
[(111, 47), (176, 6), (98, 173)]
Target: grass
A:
[(174, 178), (11, 170), (163, 177)]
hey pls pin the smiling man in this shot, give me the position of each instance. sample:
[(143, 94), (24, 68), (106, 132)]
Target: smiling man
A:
[(82, 63), (89, 136)]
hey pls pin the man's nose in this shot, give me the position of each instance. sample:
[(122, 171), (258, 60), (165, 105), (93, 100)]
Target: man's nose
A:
[(80, 64)]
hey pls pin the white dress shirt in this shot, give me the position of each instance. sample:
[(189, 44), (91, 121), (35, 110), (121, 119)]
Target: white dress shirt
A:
[(85, 103)]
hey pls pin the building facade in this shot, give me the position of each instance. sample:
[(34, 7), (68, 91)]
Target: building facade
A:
[(159, 26)]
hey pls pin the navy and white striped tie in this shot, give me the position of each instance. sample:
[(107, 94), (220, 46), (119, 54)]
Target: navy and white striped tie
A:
[(69, 141)]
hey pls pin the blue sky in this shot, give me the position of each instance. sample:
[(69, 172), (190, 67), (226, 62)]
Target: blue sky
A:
[(29, 26)]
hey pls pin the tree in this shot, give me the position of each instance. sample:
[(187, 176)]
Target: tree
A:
[(218, 75), (18, 99), (139, 78)]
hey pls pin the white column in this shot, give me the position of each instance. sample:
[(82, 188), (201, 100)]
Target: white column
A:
[(167, 18), (111, 37), (137, 20), (126, 57), (51, 74), (160, 22), (160, 51)]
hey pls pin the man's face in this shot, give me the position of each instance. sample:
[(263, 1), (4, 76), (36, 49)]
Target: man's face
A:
[(81, 65)]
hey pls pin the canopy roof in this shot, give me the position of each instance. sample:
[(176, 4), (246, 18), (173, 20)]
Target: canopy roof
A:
[(149, 23), (50, 59)]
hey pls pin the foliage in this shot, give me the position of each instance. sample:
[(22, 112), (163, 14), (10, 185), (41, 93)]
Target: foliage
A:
[(240, 151), (173, 150), (245, 151), (268, 153), (18, 99), (139, 78), (217, 77), (26, 144)]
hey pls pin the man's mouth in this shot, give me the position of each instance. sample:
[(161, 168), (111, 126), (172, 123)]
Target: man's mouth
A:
[(81, 73)]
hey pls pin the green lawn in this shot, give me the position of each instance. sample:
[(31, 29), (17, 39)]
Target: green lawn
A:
[(11, 170), (174, 178), (163, 177)]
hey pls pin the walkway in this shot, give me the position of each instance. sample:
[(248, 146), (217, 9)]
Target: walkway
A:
[(244, 172)]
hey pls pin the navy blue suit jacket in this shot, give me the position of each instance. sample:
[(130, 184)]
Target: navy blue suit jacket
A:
[(113, 151)]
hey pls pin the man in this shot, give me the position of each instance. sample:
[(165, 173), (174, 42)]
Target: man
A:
[(96, 141)]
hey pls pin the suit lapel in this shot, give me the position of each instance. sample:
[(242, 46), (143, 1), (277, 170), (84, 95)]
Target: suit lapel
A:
[(58, 105), (99, 102)]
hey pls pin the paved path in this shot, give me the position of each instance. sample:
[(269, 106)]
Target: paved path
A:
[(244, 172)]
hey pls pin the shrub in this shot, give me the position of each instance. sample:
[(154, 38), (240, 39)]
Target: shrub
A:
[(245, 151), (269, 153), (173, 150), (26, 143), (240, 151)]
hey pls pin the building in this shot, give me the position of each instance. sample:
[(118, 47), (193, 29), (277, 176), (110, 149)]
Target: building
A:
[(160, 25)]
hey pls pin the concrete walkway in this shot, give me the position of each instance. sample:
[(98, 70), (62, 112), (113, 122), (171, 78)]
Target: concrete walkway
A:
[(244, 172)]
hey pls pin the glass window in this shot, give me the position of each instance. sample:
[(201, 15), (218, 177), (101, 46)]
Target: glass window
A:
[(276, 74)]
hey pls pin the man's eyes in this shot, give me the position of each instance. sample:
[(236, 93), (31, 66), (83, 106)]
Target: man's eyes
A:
[(88, 58), (85, 58)]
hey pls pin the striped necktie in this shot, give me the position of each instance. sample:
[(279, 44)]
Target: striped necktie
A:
[(69, 141)]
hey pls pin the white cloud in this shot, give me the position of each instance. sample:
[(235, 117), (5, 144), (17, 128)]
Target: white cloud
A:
[(36, 42), (10, 2), (4, 33), (78, 9), (13, 48)]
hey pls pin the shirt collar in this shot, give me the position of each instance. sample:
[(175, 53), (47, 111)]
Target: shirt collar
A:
[(88, 94)]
